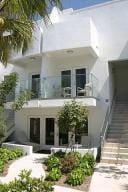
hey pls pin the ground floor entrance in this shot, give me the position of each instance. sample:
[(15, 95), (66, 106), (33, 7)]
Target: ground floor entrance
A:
[(53, 136), (119, 80)]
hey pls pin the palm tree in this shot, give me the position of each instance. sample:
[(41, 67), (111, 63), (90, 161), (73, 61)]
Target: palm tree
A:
[(16, 23)]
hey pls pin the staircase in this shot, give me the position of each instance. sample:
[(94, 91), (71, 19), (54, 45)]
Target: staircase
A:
[(115, 148)]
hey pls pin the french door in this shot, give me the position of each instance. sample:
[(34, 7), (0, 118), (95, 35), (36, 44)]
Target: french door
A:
[(35, 130), (49, 129), (80, 79)]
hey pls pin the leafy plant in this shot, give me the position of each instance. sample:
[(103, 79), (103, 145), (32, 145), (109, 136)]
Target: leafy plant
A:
[(27, 184), (90, 159), (76, 177), (7, 86), (87, 164), (54, 175), (21, 100), (2, 165), (7, 154), (60, 154), (53, 162), (68, 163)]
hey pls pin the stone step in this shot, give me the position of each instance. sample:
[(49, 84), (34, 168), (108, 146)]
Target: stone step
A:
[(115, 161), (118, 126), (115, 150), (117, 140), (117, 135), (117, 131), (120, 112), (111, 144), (123, 118), (115, 155)]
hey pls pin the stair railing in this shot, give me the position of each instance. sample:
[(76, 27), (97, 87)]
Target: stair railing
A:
[(106, 124)]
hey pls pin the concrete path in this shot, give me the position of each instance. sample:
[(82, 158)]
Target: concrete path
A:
[(34, 163), (31, 162), (110, 178)]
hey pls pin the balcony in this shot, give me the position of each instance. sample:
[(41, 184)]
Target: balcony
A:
[(76, 33), (54, 90)]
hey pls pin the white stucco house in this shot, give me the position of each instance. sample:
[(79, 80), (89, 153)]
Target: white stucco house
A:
[(82, 55)]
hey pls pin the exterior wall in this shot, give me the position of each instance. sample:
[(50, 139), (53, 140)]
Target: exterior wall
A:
[(109, 20), (95, 119)]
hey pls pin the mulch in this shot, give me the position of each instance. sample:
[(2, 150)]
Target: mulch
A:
[(83, 187), (5, 172)]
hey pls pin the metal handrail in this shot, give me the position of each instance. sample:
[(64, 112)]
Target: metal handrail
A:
[(106, 124)]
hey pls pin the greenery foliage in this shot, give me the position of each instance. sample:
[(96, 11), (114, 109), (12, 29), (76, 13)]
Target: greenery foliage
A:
[(8, 154), (73, 117), (54, 174), (3, 124), (16, 23), (25, 183), (76, 177), (69, 162), (53, 162), (75, 166), (7, 86), (21, 100)]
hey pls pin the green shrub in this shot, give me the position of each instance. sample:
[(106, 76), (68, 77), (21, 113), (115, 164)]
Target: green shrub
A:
[(8, 154), (27, 184), (87, 164), (53, 162), (68, 163), (76, 177), (60, 154), (90, 159), (54, 175), (2, 165)]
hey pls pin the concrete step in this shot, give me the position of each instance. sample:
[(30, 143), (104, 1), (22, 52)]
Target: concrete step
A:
[(115, 121), (120, 112), (120, 145), (115, 155), (115, 150), (115, 161), (123, 118), (117, 140), (117, 135)]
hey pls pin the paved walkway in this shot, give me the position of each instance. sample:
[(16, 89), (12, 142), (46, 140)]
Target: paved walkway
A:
[(34, 163), (31, 162), (110, 178)]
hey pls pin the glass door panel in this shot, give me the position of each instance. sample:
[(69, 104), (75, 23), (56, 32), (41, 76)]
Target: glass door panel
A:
[(50, 126), (35, 130), (80, 80), (35, 86), (66, 83)]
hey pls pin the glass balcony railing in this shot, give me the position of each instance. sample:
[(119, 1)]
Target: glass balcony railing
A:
[(65, 86)]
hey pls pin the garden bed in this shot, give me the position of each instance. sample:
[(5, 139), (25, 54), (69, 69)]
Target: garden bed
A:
[(7, 157), (70, 170), (83, 187)]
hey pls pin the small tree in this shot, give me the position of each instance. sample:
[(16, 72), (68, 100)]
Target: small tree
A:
[(7, 86), (73, 117)]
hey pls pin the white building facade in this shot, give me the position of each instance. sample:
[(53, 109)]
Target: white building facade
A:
[(82, 55)]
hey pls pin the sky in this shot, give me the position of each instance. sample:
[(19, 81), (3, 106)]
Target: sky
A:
[(78, 4)]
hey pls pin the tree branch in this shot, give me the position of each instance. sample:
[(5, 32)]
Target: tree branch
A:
[(2, 3)]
